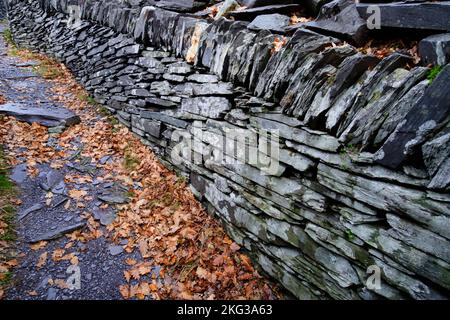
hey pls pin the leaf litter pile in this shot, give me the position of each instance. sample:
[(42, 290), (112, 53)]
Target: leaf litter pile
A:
[(163, 221)]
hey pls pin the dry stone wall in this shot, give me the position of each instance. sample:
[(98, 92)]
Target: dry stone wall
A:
[(2, 9), (363, 177)]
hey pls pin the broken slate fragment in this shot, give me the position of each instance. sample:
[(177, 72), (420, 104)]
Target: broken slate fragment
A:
[(346, 25), (46, 115), (272, 22), (115, 250), (54, 178), (19, 173), (252, 13), (426, 116), (435, 49), (421, 16), (113, 198), (57, 233), (32, 209)]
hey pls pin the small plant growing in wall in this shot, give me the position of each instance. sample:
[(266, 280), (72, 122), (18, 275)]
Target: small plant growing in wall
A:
[(433, 73), (349, 235)]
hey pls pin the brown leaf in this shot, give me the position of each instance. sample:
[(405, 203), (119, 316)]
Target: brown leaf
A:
[(38, 245), (234, 247), (42, 260), (125, 291)]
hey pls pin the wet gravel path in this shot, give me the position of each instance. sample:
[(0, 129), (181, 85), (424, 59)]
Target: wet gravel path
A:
[(72, 269)]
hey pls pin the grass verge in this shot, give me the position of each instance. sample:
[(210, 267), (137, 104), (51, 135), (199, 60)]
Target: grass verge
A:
[(7, 224)]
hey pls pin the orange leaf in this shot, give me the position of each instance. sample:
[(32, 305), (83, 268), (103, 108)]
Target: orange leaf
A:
[(125, 291), (42, 260), (38, 245)]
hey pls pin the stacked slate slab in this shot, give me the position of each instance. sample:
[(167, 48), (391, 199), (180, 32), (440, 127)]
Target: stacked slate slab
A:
[(3, 12), (363, 143)]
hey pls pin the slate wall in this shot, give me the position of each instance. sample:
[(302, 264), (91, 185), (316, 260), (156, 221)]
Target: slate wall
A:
[(2, 9), (364, 168)]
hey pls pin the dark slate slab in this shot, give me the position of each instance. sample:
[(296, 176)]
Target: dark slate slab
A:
[(46, 115), (59, 232), (350, 71), (423, 16), (252, 13), (272, 22), (181, 5), (435, 49), (164, 118), (346, 25), (263, 3), (425, 117), (159, 103)]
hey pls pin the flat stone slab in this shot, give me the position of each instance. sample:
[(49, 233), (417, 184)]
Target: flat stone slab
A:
[(46, 115), (114, 198), (115, 250), (272, 22), (19, 173), (252, 13), (427, 116), (422, 16), (346, 25), (32, 209), (435, 49), (55, 234)]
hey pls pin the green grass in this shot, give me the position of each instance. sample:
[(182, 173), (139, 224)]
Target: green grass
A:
[(130, 162), (112, 120), (6, 186), (7, 218), (8, 37), (434, 72), (8, 215), (6, 279), (349, 235), (7, 190), (87, 98), (48, 70)]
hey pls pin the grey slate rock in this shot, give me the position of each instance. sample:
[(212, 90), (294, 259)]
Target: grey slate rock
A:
[(57, 233), (113, 198), (350, 71), (151, 127), (435, 49), (54, 178), (51, 293), (421, 16), (160, 103), (164, 118), (106, 216), (441, 180), (32, 209), (19, 173), (435, 152), (115, 250), (203, 78), (272, 22), (210, 107), (140, 93), (346, 25), (46, 115), (425, 117), (251, 13)]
